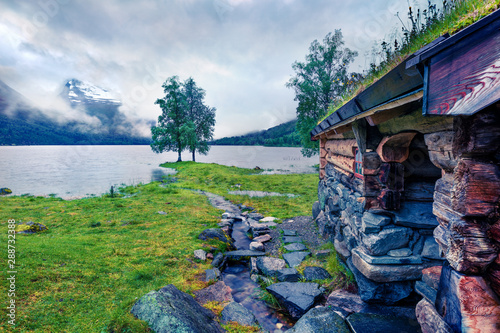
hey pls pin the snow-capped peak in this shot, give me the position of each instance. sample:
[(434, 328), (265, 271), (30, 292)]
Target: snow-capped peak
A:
[(78, 91)]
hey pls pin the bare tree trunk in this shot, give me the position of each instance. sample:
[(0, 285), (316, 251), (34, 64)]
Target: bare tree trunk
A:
[(194, 160), (179, 159)]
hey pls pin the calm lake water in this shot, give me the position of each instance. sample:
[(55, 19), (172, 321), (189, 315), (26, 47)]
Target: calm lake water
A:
[(78, 171)]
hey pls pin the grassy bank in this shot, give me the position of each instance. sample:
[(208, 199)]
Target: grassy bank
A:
[(100, 254)]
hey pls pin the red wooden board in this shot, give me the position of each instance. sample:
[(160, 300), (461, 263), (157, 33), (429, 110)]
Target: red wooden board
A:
[(465, 78)]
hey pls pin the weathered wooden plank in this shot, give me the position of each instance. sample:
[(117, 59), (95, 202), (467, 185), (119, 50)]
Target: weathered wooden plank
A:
[(444, 184), (392, 176), (343, 162), (341, 147), (322, 152), (479, 134), (372, 186), (445, 213), (493, 275), (439, 141), (395, 148), (322, 173), (322, 143), (414, 121), (465, 78), (443, 199), (476, 190), (390, 200), (444, 160), (322, 162)]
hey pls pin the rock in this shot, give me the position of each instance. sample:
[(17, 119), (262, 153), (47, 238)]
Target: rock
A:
[(270, 266), (228, 215), (288, 275), (291, 239), (225, 223), (296, 297), (346, 301), (212, 275), (341, 249), (316, 273), (170, 310), (253, 265), (389, 273), (387, 260), (376, 323), (217, 292), (268, 219), (256, 246), (262, 239), (376, 220), (431, 249), (295, 247), (243, 254), (200, 255), (161, 212), (238, 313), (430, 321), (385, 293), (386, 240), (431, 276), (218, 260), (31, 227), (425, 291), (399, 252), (416, 214), (215, 233), (316, 209), (255, 216), (5, 191), (320, 320), (287, 232), (467, 303), (321, 254), (256, 232), (293, 259)]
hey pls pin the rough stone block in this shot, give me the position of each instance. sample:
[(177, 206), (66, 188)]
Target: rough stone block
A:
[(425, 291), (386, 240), (270, 266), (405, 252), (416, 215), (387, 260), (296, 297), (431, 249), (288, 275), (430, 321), (294, 259), (320, 320), (295, 247), (368, 322), (389, 273)]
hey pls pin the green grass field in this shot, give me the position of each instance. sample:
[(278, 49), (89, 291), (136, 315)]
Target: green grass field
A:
[(100, 254)]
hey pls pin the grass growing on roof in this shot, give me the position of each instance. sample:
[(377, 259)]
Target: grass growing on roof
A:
[(100, 254)]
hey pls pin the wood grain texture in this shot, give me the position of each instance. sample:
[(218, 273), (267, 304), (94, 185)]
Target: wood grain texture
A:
[(465, 78), (476, 190), (395, 148), (341, 147), (343, 162)]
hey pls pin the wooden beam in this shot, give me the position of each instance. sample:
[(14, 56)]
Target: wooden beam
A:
[(341, 147), (343, 162), (395, 148)]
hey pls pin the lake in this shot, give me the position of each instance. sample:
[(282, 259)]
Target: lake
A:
[(79, 171)]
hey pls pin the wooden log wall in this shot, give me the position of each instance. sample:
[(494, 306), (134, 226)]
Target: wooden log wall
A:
[(340, 153)]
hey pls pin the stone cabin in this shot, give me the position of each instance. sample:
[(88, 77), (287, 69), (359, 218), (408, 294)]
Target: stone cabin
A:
[(409, 189)]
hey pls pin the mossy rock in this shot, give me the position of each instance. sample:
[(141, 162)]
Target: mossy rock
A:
[(30, 228), (5, 191)]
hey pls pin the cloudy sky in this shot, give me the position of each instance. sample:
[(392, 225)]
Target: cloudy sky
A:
[(239, 51)]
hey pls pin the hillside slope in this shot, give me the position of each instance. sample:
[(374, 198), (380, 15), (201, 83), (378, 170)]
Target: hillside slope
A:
[(283, 135)]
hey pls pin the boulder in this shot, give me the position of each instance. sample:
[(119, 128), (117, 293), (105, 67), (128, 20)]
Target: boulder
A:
[(295, 247), (377, 323), (296, 297), (215, 233), (316, 273), (218, 261), (238, 313), (200, 255), (293, 259), (5, 191), (270, 266), (256, 246), (430, 321), (346, 301), (386, 240), (288, 275), (385, 293), (262, 239), (217, 292), (320, 320), (31, 227), (212, 275), (171, 310)]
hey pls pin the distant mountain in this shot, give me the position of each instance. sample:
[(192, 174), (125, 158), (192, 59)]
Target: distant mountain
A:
[(283, 135), (22, 124)]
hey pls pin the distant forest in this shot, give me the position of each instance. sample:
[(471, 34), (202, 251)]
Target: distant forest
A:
[(283, 135)]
